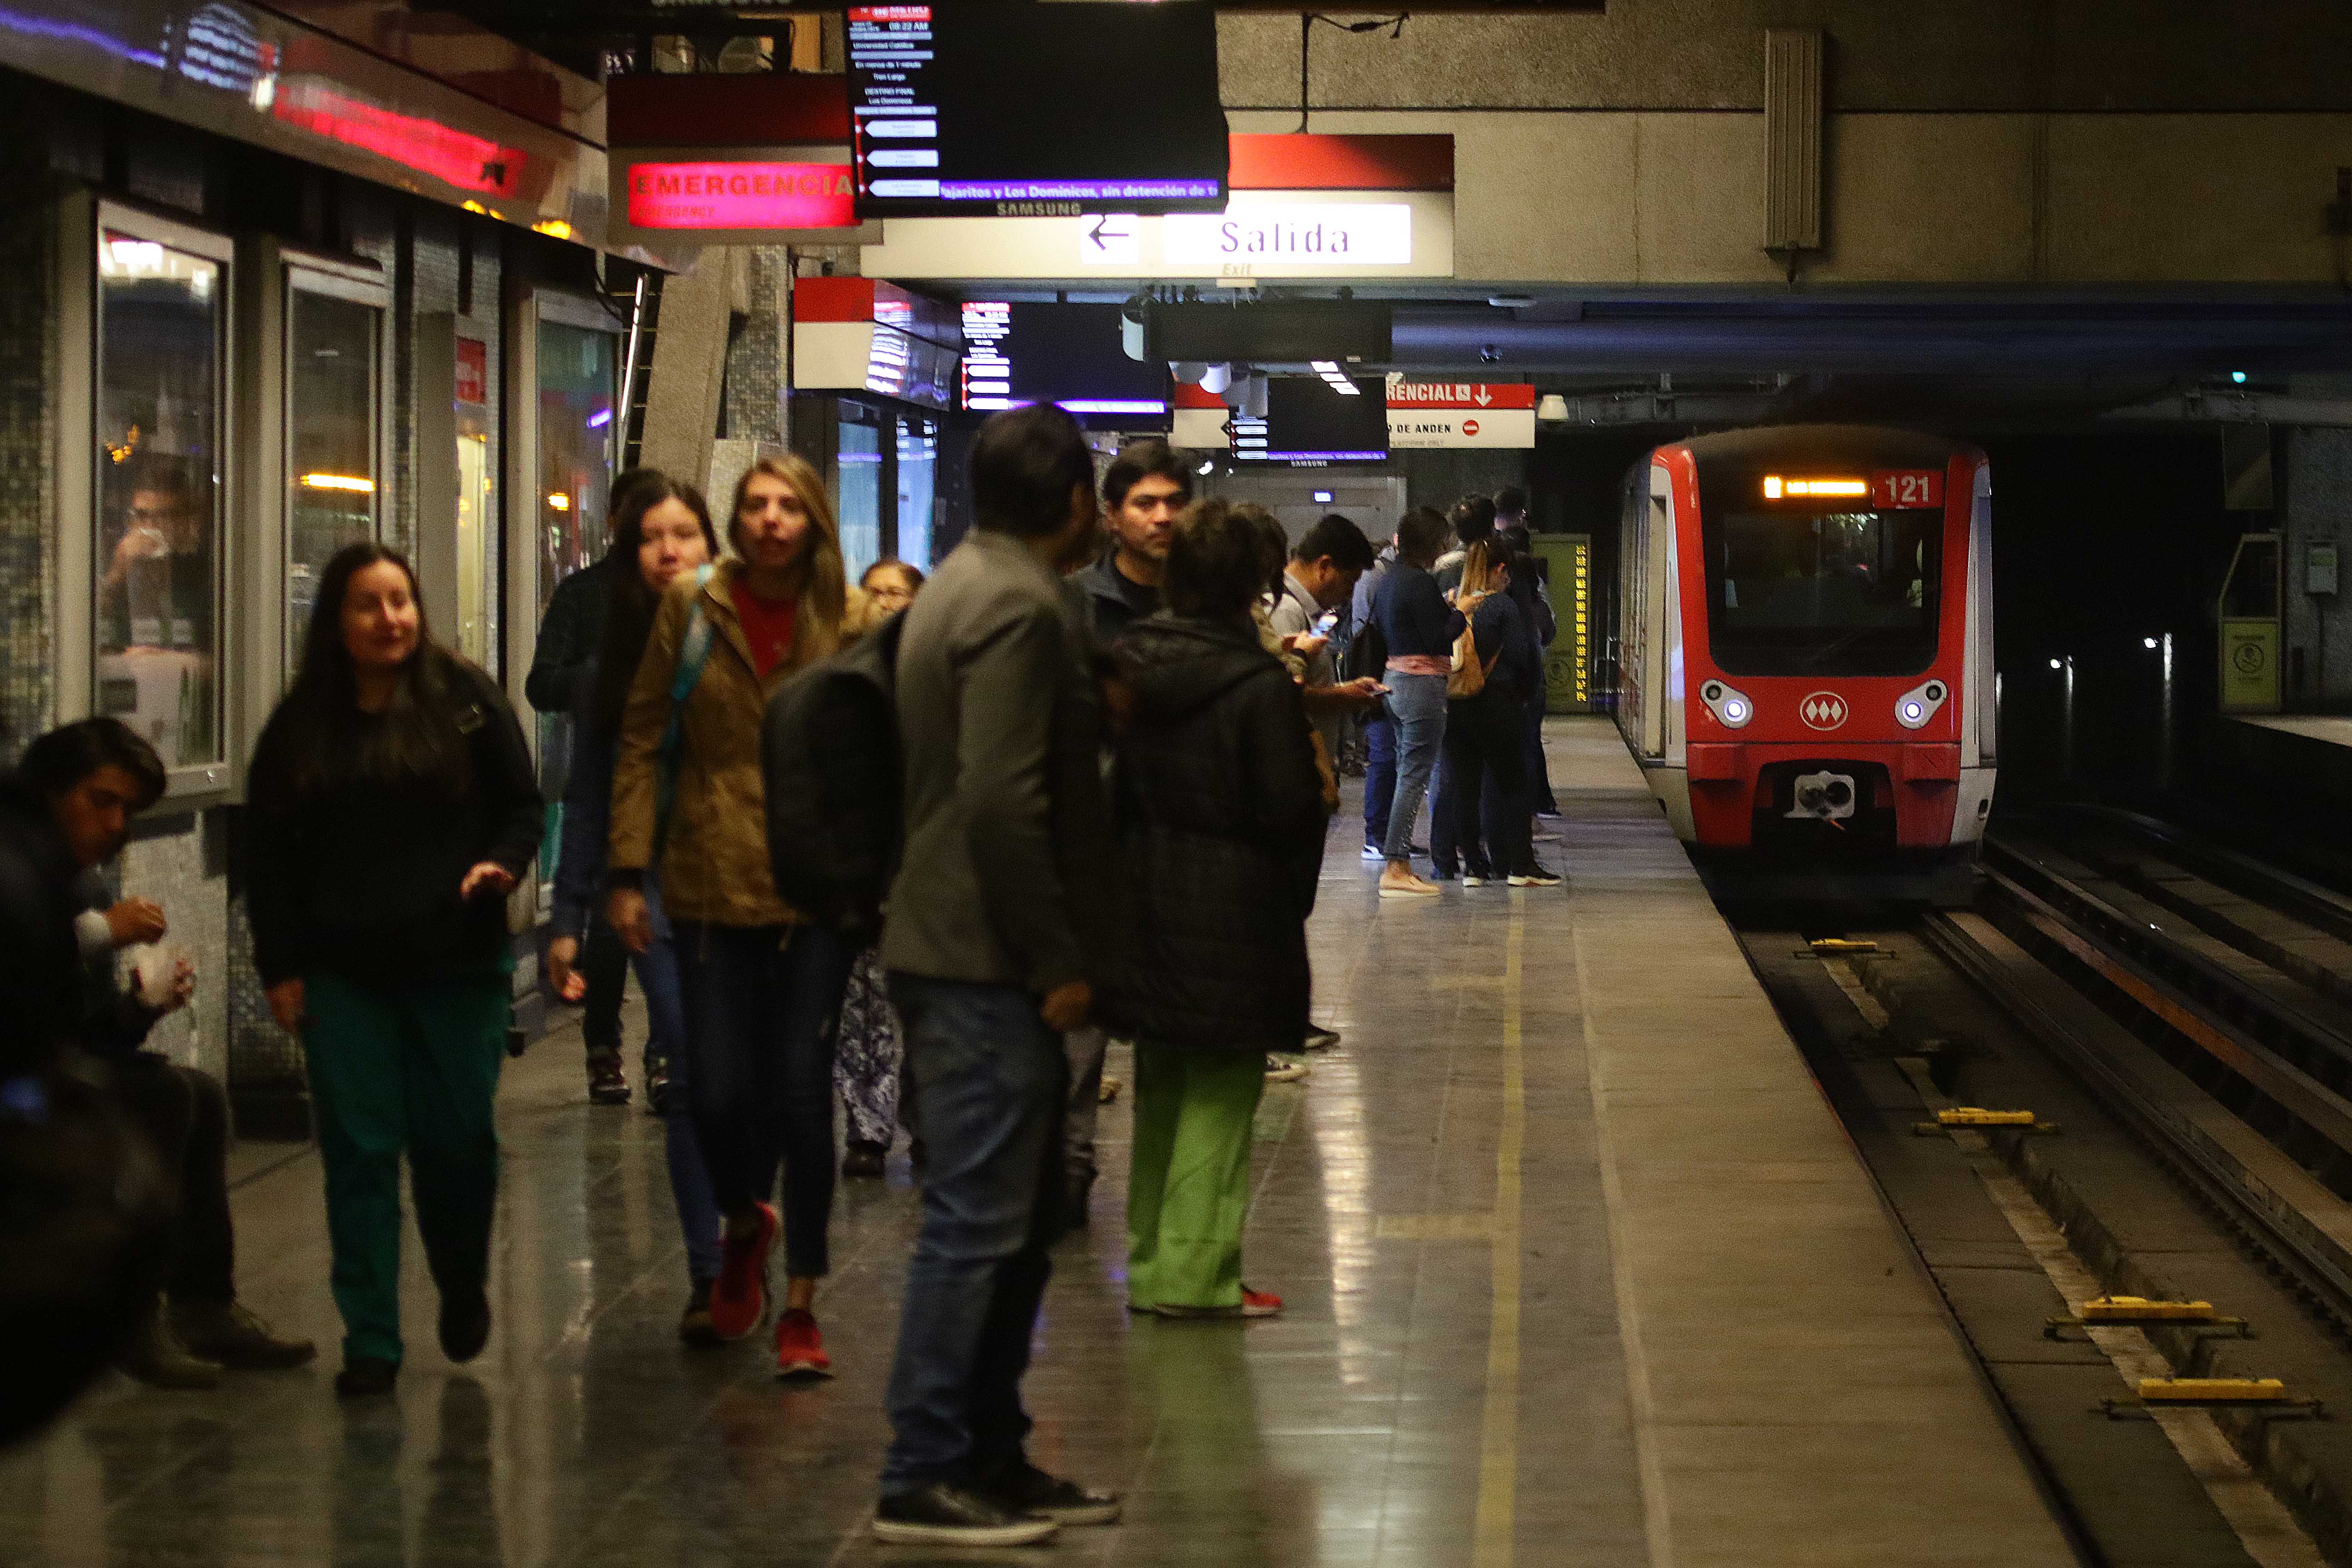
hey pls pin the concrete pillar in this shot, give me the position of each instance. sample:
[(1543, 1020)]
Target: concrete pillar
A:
[(689, 361), (2317, 511)]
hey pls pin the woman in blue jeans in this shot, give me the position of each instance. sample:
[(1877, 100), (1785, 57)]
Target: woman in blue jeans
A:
[(1419, 627), (761, 984), (660, 531)]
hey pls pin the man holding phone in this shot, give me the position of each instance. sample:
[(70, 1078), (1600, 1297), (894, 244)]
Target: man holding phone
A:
[(1320, 578)]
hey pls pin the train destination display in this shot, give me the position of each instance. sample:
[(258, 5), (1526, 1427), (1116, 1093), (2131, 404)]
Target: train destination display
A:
[(1001, 110)]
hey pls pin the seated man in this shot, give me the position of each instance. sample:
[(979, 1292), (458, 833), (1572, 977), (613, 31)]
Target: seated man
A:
[(79, 785)]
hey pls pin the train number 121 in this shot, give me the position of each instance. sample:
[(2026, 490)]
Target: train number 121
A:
[(1892, 488)]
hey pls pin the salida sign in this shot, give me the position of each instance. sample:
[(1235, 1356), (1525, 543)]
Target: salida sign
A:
[(1364, 234), (725, 196)]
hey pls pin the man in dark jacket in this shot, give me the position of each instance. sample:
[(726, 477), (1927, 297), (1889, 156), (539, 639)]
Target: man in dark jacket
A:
[(562, 663), (88, 779), (1221, 817), (1143, 490), (988, 946)]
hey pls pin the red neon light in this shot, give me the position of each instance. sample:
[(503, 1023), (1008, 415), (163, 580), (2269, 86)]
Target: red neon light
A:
[(741, 195), (890, 12), (427, 146)]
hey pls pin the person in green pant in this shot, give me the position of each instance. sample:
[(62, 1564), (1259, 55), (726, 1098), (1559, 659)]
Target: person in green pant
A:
[(1220, 811), (394, 807)]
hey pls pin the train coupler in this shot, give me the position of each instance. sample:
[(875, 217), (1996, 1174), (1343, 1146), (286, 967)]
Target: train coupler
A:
[(2139, 1311), (2263, 1396)]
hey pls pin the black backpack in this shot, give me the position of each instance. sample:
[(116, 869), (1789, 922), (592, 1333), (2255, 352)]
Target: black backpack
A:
[(1367, 652), (829, 756)]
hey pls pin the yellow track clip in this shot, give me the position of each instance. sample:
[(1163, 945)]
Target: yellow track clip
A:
[(1830, 946), (1978, 1116), (2140, 1309), (2211, 1390)]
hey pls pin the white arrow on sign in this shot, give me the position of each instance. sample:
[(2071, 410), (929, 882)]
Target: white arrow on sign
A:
[(1483, 397), (1113, 239)]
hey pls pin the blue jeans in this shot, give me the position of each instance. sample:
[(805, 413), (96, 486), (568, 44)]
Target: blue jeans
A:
[(689, 1178), (1417, 702), (761, 1004), (1379, 776), (989, 1079)]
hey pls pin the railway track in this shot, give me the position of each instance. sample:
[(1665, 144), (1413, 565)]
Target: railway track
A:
[(2186, 1014)]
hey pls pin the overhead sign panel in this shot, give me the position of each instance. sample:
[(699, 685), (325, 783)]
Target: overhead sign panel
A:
[(1424, 414), (1341, 235), (790, 194), (1067, 354), (1010, 109)]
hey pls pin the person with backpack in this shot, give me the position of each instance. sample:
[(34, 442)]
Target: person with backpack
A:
[(1221, 810), (990, 948), (661, 531), (393, 807), (1496, 665), (761, 984)]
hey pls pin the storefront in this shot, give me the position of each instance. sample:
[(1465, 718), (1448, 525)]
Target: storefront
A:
[(268, 294)]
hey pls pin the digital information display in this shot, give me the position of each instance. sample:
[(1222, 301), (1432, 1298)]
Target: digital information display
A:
[(1310, 424), (1016, 355), (1003, 110)]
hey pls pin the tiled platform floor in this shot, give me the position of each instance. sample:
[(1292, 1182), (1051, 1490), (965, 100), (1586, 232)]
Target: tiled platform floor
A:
[(1405, 1410)]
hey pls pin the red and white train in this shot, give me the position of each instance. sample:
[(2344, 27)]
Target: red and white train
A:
[(1806, 655)]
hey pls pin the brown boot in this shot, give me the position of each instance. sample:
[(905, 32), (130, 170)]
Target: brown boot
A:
[(227, 1333), (154, 1355)]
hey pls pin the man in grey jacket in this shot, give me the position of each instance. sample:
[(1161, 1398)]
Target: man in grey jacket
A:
[(989, 969)]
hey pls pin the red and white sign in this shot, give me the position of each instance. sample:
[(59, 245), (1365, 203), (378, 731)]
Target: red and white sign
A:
[(1822, 711), (473, 372), (706, 196), (1893, 487), (1460, 413)]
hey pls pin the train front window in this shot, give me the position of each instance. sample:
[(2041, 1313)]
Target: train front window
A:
[(1841, 593)]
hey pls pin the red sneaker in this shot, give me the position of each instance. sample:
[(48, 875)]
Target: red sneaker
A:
[(800, 1349), (1260, 1303), (738, 1297)]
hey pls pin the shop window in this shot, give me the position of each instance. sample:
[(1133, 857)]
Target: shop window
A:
[(576, 381), (333, 407), (861, 495), (161, 320), (479, 552), (919, 468)]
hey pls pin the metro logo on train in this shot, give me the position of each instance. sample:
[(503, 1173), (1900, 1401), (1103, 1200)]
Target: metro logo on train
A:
[(1822, 711)]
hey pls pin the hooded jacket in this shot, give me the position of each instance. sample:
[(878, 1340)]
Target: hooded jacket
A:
[(1220, 821)]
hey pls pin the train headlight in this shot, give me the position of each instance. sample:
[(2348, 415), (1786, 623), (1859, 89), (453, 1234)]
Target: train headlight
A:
[(1921, 703), (1732, 710)]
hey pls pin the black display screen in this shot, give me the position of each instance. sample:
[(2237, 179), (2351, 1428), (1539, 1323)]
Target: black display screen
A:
[(1016, 109), (1309, 423), (1070, 354)]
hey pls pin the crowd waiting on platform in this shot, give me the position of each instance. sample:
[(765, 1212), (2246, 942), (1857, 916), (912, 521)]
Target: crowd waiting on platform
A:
[(918, 845)]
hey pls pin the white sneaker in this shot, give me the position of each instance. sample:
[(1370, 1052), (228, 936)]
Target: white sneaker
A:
[(1538, 877), (1374, 852), (1321, 1039), (1279, 1070)]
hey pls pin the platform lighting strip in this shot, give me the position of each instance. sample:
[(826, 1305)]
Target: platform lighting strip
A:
[(1775, 487), (1334, 377), (352, 482)]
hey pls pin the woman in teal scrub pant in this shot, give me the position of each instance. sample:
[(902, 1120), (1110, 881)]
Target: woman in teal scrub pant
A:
[(394, 807)]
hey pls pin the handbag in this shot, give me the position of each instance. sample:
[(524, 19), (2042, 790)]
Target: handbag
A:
[(1468, 675)]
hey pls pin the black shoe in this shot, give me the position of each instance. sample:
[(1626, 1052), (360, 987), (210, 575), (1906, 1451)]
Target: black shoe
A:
[(607, 1083), (944, 1515), (365, 1376), (694, 1326), (465, 1325), (656, 1086), (1077, 1189), (864, 1158), (1034, 1494)]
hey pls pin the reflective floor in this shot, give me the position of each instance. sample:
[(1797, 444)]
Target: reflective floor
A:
[(1448, 1385)]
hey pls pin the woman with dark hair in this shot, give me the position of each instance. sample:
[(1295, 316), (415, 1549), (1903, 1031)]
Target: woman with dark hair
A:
[(871, 1054), (761, 984), (1485, 729), (1220, 814), (395, 807), (1419, 630), (660, 531)]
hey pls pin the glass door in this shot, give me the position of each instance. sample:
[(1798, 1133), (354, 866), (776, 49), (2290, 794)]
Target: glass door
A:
[(860, 456), (161, 318), (919, 469), (334, 336)]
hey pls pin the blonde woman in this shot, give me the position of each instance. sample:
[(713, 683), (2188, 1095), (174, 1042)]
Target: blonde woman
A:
[(761, 984)]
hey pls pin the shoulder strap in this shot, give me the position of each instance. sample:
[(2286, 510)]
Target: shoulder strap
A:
[(693, 653)]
